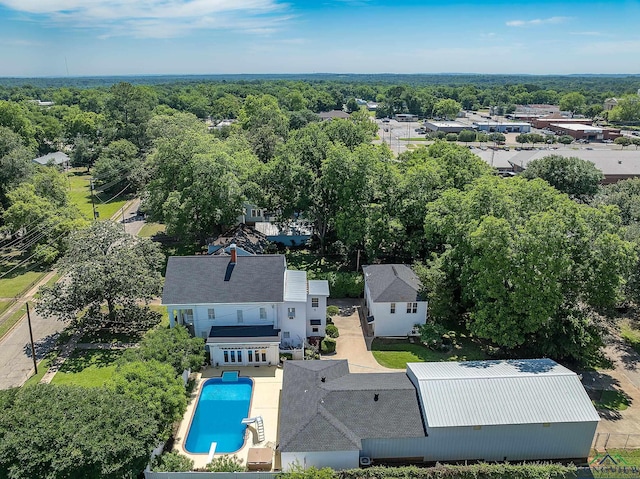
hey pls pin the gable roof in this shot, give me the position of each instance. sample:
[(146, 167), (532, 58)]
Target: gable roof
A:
[(392, 283), (338, 413), (57, 158), (244, 237), (479, 393), (201, 279)]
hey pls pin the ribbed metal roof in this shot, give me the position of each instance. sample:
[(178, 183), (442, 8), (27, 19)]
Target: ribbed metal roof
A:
[(319, 287), (479, 393), (295, 286)]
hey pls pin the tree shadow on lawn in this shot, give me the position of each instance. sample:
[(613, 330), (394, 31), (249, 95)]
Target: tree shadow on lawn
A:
[(81, 359)]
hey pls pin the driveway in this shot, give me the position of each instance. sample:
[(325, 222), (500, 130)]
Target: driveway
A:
[(351, 344)]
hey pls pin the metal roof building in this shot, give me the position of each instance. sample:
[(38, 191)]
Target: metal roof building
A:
[(503, 410)]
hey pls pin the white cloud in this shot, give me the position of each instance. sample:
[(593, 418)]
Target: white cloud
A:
[(587, 34), (536, 21), (19, 42), (157, 18)]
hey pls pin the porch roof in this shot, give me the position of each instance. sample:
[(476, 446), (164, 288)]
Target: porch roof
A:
[(244, 333)]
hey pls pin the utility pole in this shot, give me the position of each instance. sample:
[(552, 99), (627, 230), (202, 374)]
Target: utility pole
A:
[(124, 226), (93, 201), (358, 262), (33, 347)]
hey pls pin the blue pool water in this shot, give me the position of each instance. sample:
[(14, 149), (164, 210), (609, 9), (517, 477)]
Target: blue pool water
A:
[(221, 407)]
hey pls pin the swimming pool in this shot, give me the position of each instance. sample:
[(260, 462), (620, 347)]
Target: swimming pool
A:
[(222, 405)]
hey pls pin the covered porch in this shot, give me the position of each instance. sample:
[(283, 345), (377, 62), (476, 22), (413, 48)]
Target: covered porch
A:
[(244, 345)]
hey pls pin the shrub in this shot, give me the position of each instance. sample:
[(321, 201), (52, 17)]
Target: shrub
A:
[(345, 285), (225, 464), (328, 345), (310, 353), (431, 335), (333, 310), (332, 331), (172, 462), (451, 137)]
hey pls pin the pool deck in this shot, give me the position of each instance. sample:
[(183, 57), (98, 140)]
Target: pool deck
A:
[(267, 385)]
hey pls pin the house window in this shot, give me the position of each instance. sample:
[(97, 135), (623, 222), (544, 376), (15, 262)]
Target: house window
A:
[(315, 322), (239, 356), (250, 354), (240, 318), (412, 308), (233, 356), (314, 302), (264, 356), (256, 213), (393, 308), (211, 313), (263, 313), (291, 312), (226, 356), (314, 330), (286, 335)]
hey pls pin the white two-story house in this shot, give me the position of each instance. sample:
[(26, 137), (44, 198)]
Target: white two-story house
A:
[(393, 298), (246, 308)]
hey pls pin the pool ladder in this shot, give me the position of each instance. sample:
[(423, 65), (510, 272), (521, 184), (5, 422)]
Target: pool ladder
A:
[(257, 424)]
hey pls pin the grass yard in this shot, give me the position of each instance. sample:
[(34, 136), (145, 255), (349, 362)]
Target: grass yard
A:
[(612, 401), (6, 325), (396, 353), (19, 280), (630, 333), (4, 305), (151, 229), (164, 322), (88, 368), (80, 195)]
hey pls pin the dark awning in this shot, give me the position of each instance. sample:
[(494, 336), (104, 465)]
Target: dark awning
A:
[(248, 331)]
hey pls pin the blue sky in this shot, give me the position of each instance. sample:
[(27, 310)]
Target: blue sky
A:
[(128, 37)]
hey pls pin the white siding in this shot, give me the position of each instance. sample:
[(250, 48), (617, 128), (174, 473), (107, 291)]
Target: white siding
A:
[(317, 313), (513, 442), (227, 315), (271, 350), (296, 327), (398, 324), (334, 459)]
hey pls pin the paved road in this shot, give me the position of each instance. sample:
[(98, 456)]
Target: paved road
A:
[(16, 364)]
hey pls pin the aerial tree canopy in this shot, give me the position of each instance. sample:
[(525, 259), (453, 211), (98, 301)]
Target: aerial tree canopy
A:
[(524, 263), (103, 265)]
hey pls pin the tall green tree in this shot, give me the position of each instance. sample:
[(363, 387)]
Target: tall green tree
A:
[(578, 178), (572, 102), (15, 162), (127, 110), (67, 431), (446, 108), (525, 264), (103, 265)]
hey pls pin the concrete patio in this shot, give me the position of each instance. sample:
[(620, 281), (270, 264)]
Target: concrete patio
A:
[(267, 385)]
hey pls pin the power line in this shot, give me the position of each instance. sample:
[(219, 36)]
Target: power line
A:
[(24, 261)]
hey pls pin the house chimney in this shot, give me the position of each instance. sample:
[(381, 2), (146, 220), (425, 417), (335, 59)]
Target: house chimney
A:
[(234, 254)]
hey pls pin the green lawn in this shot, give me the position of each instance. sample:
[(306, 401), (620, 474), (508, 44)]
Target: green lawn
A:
[(4, 305), (612, 401), (630, 333), (396, 353), (6, 325), (88, 368), (164, 323), (151, 229), (80, 195), (19, 280)]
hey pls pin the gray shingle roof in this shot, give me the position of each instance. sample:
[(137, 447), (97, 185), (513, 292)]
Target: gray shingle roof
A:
[(335, 415), (201, 279), (57, 158), (392, 283)]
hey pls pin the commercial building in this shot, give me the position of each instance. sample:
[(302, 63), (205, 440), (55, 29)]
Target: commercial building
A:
[(502, 127), (581, 131), (446, 126)]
